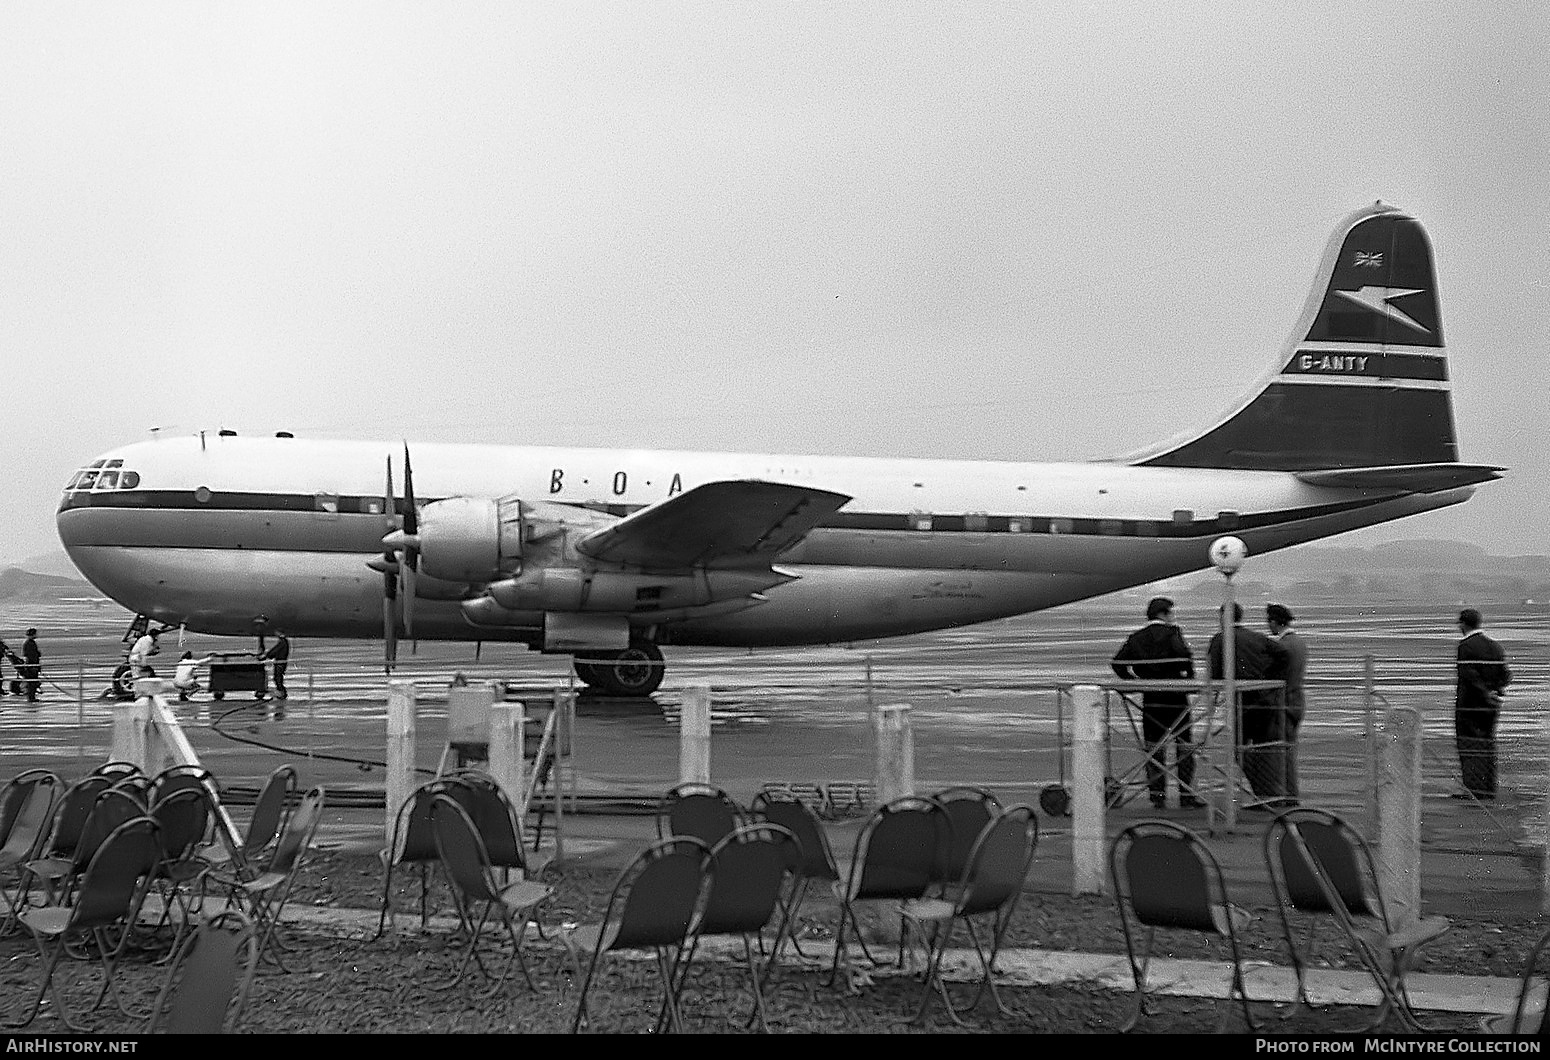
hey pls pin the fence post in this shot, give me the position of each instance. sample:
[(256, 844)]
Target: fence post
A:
[(399, 784), (1399, 815), (1089, 830), (895, 774), (1370, 732), (694, 736)]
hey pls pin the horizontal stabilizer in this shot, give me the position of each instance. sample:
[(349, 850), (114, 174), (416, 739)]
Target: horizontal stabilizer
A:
[(1411, 478), (719, 524)]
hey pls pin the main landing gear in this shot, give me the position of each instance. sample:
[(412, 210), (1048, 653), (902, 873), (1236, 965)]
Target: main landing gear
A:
[(635, 671)]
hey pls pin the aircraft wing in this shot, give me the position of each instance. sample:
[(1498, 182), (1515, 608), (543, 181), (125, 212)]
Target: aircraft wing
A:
[(1411, 478), (719, 524)]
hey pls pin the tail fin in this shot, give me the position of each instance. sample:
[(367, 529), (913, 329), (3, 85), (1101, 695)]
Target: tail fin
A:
[(1362, 383)]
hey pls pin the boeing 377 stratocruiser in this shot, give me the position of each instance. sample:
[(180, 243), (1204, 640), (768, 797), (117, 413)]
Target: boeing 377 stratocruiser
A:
[(610, 554)]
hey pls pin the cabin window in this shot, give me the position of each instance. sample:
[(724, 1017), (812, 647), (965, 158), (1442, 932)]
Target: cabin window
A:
[(1227, 520), (1061, 526), (326, 502), (1110, 527), (371, 506), (129, 480), (203, 495), (920, 521), (976, 521), (108, 480), (1017, 526), (1183, 517)]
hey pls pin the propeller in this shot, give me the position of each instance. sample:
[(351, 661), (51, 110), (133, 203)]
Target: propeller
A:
[(399, 563)]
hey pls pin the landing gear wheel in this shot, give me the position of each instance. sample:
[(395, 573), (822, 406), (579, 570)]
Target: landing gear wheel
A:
[(1055, 801), (123, 683), (635, 671)]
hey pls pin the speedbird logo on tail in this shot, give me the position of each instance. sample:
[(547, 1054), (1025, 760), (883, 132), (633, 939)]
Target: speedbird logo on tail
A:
[(1378, 298)]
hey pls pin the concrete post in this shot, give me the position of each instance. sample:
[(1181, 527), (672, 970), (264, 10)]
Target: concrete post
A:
[(694, 736), (507, 722), (1399, 815), (1230, 694), (131, 725), (1089, 829), (400, 780), (895, 775)]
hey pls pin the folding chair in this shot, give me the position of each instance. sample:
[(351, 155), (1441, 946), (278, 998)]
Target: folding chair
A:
[(413, 842), (179, 778), (970, 810), (467, 863), (1528, 1013), (898, 855), (137, 786), (56, 857), (1166, 877), (271, 813), (1321, 867), (816, 865), (748, 872), (59, 873), (26, 811), (267, 892), (993, 878), (703, 811), (651, 907), (184, 815), (109, 896), (208, 978)]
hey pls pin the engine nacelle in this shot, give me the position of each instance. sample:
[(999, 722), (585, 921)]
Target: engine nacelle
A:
[(470, 539), (575, 589)]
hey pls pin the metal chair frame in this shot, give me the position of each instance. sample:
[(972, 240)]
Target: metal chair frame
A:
[(208, 977), (703, 811), (970, 809), (109, 895), (749, 869), (466, 861), (816, 862), (26, 813), (651, 907), (1322, 868), (999, 861), (898, 855), (413, 842), (1165, 876), (267, 892)]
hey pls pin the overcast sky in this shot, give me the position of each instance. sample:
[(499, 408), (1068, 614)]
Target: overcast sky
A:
[(971, 230)]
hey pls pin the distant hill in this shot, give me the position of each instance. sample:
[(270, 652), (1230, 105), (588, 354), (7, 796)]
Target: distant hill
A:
[(19, 584), (55, 563)]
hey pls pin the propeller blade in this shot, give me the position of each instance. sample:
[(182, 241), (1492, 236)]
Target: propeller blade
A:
[(389, 632), (389, 497), (411, 514), (407, 570)]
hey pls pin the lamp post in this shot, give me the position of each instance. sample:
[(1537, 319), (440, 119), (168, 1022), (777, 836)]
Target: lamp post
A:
[(1228, 554)]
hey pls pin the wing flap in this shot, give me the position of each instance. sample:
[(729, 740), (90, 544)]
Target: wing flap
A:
[(1411, 478), (731, 523)]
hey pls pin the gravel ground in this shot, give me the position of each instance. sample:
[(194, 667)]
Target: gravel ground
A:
[(389, 986)]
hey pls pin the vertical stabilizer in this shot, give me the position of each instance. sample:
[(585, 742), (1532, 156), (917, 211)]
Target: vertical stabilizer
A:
[(1363, 381)]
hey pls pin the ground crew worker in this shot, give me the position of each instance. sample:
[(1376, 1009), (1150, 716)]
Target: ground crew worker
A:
[(140, 654), (280, 655), (32, 665), (1157, 651)]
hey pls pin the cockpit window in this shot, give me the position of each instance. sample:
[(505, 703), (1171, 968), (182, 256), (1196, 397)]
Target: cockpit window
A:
[(129, 481), (88, 479), (98, 463), (115, 463), (108, 480)]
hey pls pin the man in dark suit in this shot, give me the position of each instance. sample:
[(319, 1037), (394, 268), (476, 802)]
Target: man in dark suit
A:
[(1257, 658), (32, 665), (1482, 678), (1157, 651), (1279, 617)]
